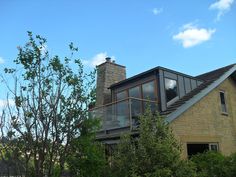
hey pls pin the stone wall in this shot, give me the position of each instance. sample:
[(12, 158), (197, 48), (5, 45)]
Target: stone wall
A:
[(205, 123), (108, 73)]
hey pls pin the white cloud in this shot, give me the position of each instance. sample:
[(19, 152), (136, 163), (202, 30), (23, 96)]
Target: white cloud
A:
[(4, 103), (157, 11), (222, 6), (191, 35), (97, 60), (1, 60)]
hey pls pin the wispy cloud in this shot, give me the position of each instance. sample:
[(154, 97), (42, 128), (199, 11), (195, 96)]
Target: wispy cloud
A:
[(222, 6), (190, 35), (157, 11), (97, 60), (1, 60), (4, 103)]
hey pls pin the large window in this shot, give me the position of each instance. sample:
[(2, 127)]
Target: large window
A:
[(149, 93), (223, 102), (195, 148), (171, 89), (149, 90), (136, 104), (134, 92), (122, 113), (121, 95)]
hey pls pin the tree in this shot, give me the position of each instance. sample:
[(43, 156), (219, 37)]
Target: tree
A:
[(155, 152), (87, 158), (51, 97)]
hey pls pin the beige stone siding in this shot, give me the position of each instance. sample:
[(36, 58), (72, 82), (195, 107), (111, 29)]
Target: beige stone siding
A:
[(204, 121), (108, 73)]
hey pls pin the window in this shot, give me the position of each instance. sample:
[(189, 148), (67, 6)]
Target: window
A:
[(121, 95), (195, 148), (136, 105), (171, 89), (122, 115), (134, 92), (149, 90), (213, 146), (223, 102)]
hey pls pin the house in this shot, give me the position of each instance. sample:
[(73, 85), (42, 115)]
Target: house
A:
[(201, 110)]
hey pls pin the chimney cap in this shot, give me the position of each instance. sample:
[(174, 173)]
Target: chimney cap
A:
[(108, 59)]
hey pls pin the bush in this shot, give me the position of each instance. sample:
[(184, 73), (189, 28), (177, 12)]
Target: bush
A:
[(211, 164), (231, 165)]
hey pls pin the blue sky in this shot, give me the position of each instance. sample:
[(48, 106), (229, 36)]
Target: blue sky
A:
[(188, 36)]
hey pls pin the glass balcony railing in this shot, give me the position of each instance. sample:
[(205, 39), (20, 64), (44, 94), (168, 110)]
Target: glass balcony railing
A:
[(122, 113)]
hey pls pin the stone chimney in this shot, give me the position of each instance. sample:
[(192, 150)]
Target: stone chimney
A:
[(108, 73)]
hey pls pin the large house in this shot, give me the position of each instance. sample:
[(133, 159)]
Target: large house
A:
[(201, 110)]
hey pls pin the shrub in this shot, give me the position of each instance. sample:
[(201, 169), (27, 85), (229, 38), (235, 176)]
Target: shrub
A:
[(210, 164)]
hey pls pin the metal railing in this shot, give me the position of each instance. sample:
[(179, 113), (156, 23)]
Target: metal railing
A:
[(123, 113)]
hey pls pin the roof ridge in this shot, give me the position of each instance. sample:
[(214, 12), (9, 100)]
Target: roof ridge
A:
[(209, 74)]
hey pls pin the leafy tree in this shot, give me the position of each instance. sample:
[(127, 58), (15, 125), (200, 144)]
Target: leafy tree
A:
[(87, 158), (51, 97), (155, 152)]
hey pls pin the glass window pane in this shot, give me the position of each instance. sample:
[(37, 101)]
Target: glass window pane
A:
[(149, 90), (136, 110), (122, 113), (171, 89), (134, 92), (223, 103), (152, 105), (222, 97), (213, 147), (121, 95)]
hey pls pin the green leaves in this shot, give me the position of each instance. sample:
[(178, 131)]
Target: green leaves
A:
[(51, 97), (18, 101), (214, 164), (87, 157), (155, 152)]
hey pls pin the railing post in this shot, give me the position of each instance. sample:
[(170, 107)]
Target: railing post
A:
[(130, 114)]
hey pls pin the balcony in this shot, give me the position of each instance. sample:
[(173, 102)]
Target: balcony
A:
[(121, 114)]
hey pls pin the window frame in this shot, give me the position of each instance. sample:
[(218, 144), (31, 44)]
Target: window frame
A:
[(140, 91), (177, 91), (155, 89), (126, 93), (214, 144), (225, 104), (208, 143)]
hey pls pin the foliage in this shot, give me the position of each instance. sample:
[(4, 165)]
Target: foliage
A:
[(87, 158), (215, 164), (10, 160), (51, 97), (155, 152), (231, 165)]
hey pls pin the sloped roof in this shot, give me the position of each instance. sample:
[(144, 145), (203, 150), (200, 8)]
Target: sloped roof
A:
[(143, 74), (211, 80)]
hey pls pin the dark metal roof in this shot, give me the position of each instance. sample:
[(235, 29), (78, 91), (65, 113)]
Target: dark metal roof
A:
[(208, 79), (140, 75), (212, 75)]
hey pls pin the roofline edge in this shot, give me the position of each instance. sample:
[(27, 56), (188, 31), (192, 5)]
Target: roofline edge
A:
[(199, 96)]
